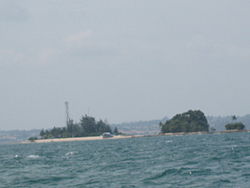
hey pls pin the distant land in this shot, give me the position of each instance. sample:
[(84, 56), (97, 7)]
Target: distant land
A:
[(152, 126), (140, 127), (137, 127), (14, 136)]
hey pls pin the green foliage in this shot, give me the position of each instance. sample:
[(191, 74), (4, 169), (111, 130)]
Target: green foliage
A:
[(235, 126), (116, 132), (87, 126), (32, 139), (234, 117), (191, 121)]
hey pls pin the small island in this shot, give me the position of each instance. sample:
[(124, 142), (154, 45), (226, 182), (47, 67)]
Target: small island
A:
[(87, 126), (235, 126), (87, 129), (188, 122)]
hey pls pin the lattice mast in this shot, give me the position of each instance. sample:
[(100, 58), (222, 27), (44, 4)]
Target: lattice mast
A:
[(67, 113)]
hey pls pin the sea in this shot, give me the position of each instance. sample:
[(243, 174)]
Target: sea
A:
[(189, 161)]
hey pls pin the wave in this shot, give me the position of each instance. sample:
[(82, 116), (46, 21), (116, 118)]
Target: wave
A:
[(17, 157), (33, 156), (70, 153)]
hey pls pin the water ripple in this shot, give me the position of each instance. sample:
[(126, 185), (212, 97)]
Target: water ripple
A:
[(165, 161)]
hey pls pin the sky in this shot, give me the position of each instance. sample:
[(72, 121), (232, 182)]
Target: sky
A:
[(121, 60)]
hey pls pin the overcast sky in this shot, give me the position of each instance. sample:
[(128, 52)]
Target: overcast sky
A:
[(121, 60)]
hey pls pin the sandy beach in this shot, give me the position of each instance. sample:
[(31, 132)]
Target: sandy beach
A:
[(183, 133), (80, 139), (127, 136)]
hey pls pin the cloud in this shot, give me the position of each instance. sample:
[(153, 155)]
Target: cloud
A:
[(79, 37)]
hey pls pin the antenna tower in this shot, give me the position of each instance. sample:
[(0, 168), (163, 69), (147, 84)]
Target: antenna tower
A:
[(67, 113)]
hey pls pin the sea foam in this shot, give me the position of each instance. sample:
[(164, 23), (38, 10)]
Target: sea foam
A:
[(33, 156)]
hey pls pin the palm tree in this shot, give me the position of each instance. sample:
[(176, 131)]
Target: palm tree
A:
[(234, 118)]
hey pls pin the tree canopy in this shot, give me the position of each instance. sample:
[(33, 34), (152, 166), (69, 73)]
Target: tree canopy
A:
[(87, 126), (235, 126), (191, 121)]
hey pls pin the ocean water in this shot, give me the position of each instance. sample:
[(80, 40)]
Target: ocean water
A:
[(163, 161)]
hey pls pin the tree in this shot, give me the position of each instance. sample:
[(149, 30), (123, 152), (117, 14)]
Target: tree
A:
[(116, 132), (32, 139), (42, 133), (234, 118), (191, 121), (70, 128), (87, 127), (103, 127), (235, 126)]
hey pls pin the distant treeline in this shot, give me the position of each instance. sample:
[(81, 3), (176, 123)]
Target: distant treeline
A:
[(87, 126)]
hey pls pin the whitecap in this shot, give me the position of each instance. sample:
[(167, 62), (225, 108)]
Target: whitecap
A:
[(16, 156), (70, 153), (169, 141), (33, 156)]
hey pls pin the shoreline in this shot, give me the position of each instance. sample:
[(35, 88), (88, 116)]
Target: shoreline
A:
[(80, 139), (203, 132), (126, 136)]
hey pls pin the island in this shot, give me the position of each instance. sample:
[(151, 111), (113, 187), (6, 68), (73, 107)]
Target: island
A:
[(190, 122), (187, 122), (238, 126), (87, 129), (87, 126)]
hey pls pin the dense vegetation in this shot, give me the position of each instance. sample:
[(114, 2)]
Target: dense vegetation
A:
[(32, 139), (235, 126), (87, 126), (191, 121)]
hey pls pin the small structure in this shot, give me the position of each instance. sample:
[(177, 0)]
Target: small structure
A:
[(107, 135)]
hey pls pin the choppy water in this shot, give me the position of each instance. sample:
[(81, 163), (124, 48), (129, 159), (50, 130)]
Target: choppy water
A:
[(165, 161)]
